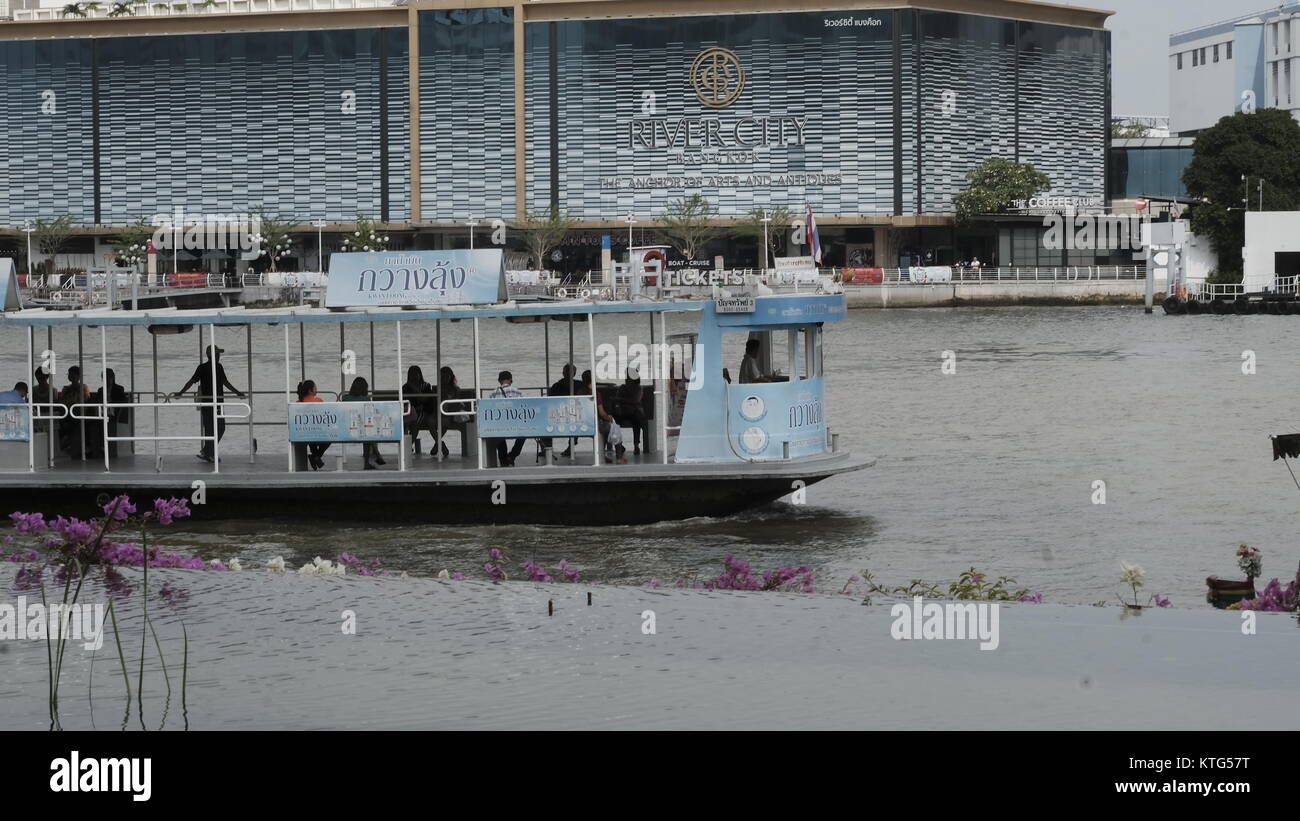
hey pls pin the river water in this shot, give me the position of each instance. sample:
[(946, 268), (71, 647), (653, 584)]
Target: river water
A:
[(993, 466)]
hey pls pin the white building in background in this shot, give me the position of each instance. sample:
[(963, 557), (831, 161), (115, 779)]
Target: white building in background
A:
[(1272, 248), (1250, 61)]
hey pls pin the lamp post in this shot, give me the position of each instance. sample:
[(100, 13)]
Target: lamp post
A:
[(765, 221), (471, 223), (29, 228), (320, 245)]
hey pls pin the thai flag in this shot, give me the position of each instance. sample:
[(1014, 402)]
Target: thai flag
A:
[(814, 240)]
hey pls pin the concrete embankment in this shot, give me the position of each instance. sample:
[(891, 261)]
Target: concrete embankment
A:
[(953, 294)]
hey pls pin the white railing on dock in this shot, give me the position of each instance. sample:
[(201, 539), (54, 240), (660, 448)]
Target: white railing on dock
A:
[(98, 414)]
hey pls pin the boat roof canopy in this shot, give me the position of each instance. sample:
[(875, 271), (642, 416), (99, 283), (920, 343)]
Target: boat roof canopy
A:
[(537, 311)]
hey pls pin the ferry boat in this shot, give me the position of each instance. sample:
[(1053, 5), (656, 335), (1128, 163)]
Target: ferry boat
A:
[(713, 446)]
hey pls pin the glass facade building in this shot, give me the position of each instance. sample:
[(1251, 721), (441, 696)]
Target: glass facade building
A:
[(873, 117)]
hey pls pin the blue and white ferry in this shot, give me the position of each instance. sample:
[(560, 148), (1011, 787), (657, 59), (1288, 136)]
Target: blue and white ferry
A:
[(709, 445)]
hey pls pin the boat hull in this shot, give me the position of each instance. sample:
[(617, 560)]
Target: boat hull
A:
[(569, 495)]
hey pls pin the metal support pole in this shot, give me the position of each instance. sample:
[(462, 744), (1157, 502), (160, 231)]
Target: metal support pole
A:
[(252, 441), (288, 391), (131, 377), (401, 385), (31, 407), (661, 387), (437, 336), (153, 339), (591, 339), (216, 419), (476, 394), (372, 352), (81, 367), (103, 392), (49, 345), (342, 376), (302, 351)]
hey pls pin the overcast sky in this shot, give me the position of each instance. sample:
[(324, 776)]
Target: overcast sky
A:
[(1140, 43)]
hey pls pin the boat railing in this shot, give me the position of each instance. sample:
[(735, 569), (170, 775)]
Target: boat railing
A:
[(96, 412)]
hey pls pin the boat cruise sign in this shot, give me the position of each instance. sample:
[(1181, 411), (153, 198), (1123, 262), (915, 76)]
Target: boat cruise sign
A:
[(416, 278)]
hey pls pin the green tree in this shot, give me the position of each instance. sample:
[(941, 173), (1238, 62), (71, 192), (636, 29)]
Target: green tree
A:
[(1230, 157), (688, 224), (273, 235), (365, 237), (545, 231), (751, 226), (131, 245), (995, 184), (1129, 131), (51, 236)]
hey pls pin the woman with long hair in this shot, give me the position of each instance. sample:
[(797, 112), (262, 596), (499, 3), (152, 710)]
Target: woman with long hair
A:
[(422, 399)]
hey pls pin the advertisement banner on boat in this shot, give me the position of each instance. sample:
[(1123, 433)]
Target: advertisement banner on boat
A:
[(766, 416), (15, 425), (537, 416), (345, 421), (416, 278)]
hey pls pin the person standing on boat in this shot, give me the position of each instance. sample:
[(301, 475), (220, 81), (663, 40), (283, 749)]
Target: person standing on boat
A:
[(209, 418), (506, 390)]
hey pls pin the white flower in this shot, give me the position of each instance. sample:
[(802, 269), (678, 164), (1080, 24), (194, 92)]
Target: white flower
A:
[(1132, 574), (406, 575), (234, 564), (308, 569), (443, 574), (276, 565)]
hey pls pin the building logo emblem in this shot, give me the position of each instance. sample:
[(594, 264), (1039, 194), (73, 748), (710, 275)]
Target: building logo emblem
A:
[(717, 77)]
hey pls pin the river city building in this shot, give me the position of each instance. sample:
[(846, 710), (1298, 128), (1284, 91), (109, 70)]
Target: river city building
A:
[(427, 115)]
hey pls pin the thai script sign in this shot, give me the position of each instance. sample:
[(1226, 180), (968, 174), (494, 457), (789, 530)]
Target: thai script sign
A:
[(345, 421), (416, 278), (15, 424), (537, 416), (767, 416)]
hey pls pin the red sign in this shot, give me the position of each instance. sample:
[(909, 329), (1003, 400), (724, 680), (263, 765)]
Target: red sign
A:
[(1141, 203), (862, 276)]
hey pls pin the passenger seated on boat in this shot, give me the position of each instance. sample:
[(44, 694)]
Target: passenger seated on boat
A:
[(422, 400), (629, 409), (750, 372), (71, 438), (360, 392), (117, 395), (315, 450), (506, 390), (17, 396), (42, 394), (449, 388), (566, 386)]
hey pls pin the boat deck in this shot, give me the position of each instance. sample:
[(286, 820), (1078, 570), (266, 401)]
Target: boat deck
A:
[(272, 469)]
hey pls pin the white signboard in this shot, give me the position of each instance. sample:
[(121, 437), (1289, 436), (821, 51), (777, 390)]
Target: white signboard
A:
[(736, 305)]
